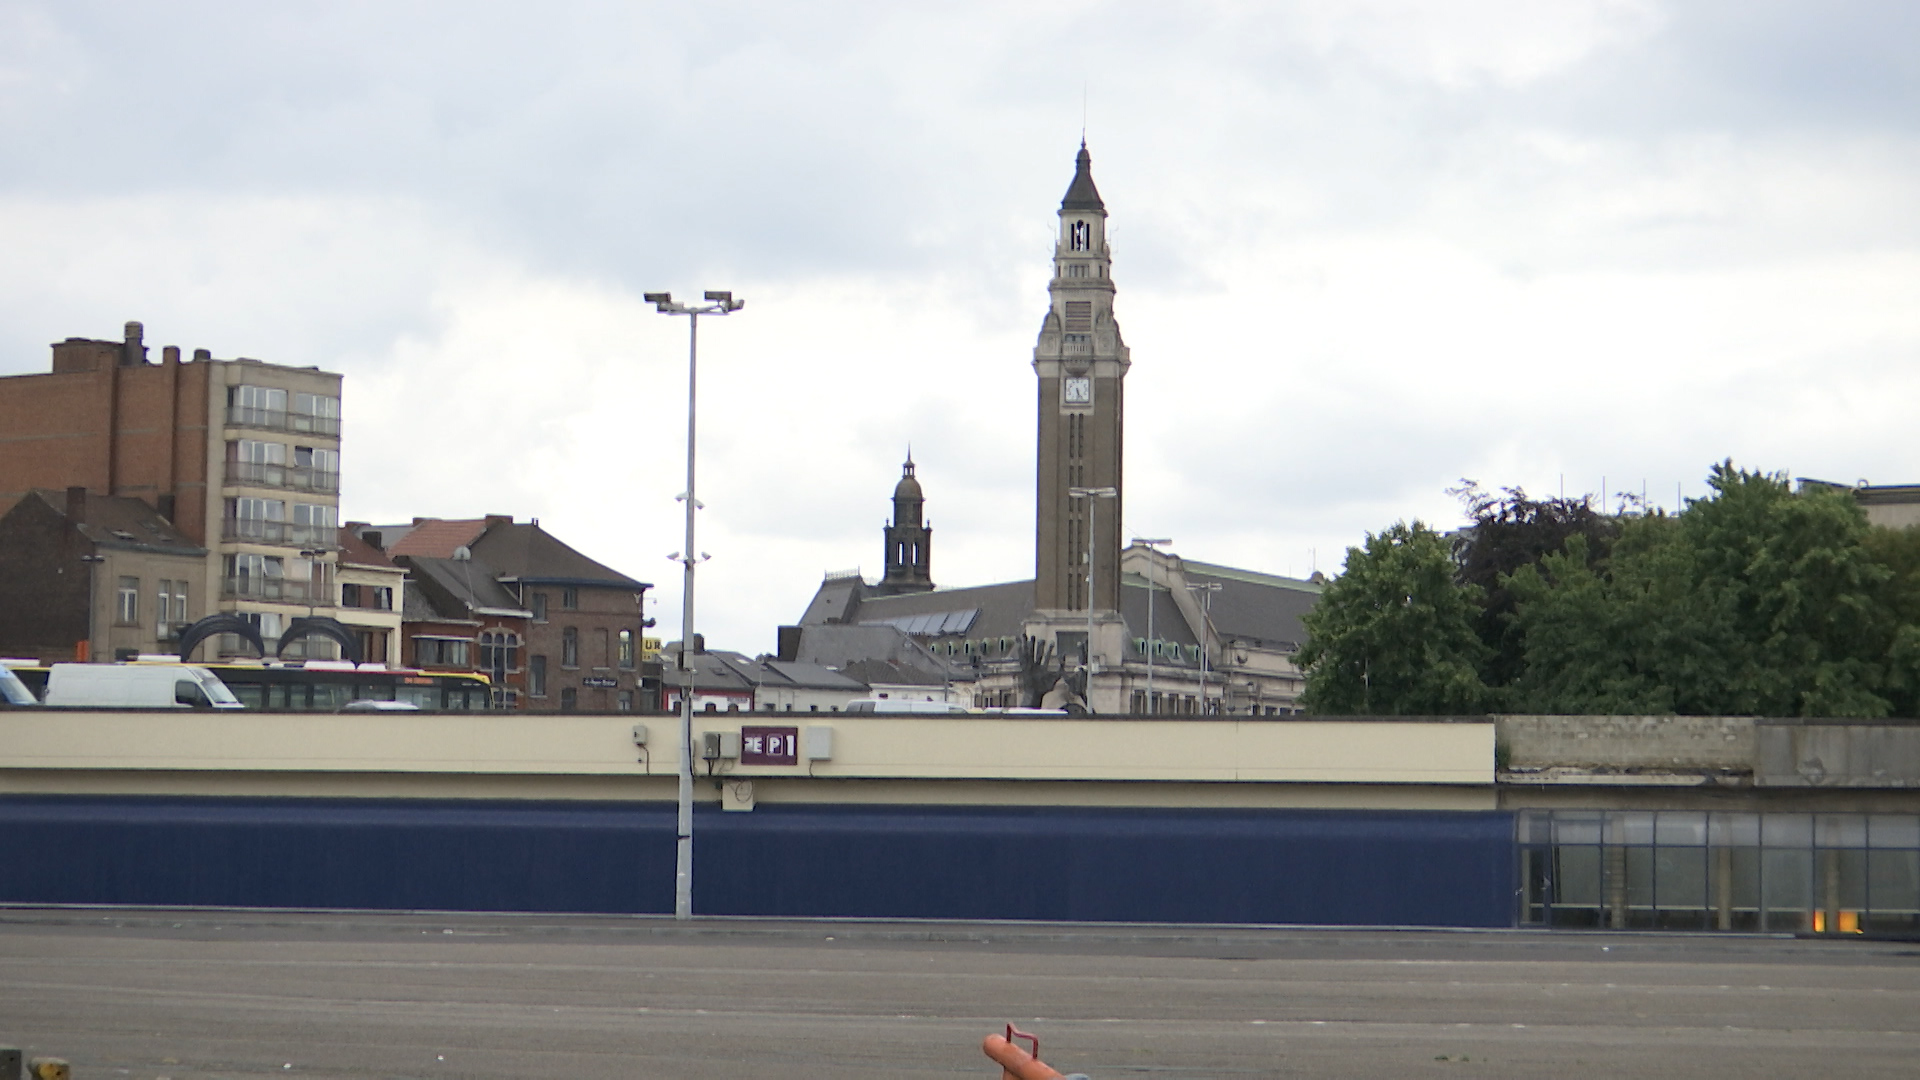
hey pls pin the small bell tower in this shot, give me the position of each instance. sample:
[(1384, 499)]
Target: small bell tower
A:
[(909, 540)]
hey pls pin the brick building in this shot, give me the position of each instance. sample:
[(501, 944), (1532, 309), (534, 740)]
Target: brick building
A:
[(582, 647), (241, 457), (62, 553)]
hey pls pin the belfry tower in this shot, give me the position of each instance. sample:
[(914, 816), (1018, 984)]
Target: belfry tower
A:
[(1081, 364), (909, 540)]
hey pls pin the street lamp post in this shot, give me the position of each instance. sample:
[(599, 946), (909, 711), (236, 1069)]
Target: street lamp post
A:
[(718, 303), (1153, 554), (1093, 497), (1206, 634)]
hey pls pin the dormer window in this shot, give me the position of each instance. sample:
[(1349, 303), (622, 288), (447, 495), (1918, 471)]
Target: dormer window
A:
[(1079, 236)]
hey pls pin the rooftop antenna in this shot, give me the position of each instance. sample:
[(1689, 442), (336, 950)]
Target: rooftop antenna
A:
[(1083, 112)]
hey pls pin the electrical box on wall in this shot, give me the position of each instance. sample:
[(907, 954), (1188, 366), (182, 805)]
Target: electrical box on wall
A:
[(817, 744), (639, 734), (720, 745)]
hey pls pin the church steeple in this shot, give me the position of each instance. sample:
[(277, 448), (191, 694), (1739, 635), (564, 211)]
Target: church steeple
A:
[(1081, 362), (909, 542), (1081, 194)]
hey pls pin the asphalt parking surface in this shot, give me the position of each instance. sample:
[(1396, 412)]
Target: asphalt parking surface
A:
[(179, 994)]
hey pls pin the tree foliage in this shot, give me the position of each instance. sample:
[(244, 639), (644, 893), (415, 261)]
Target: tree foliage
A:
[(1756, 600), (1393, 635)]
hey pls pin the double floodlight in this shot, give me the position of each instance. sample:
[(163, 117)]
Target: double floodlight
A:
[(719, 303)]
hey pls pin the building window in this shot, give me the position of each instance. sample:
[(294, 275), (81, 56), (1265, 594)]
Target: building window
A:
[(163, 610), (539, 607), (570, 648), (626, 701), (569, 699), (127, 607), (318, 413), (626, 649), (570, 598), (257, 406), (315, 523), (499, 653), (373, 646), (605, 656), (440, 652), (537, 676)]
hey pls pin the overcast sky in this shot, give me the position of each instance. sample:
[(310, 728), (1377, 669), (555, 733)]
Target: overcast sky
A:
[(1362, 249)]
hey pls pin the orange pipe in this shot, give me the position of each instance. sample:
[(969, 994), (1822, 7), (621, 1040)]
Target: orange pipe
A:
[(1015, 1063)]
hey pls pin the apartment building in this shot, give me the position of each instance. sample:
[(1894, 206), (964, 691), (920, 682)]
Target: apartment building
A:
[(241, 456)]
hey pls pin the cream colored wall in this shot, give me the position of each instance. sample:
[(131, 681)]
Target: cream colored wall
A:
[(962, 759)]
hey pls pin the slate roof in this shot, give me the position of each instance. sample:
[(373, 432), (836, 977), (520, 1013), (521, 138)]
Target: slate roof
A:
[(124, 523), (1000, 610), (787, 674), (525, 552), (844, 647), (470, 583), (1262, 608), (1081, 194)]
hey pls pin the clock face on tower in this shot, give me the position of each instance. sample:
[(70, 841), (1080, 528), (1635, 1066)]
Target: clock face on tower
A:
[(1077, 390)]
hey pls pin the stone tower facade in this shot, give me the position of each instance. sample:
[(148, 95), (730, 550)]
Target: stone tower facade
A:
[(1081, 366), (909, 539)]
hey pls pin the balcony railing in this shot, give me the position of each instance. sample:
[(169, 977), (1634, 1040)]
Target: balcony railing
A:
[(251, 587), (281, 420), (286, 533), (291, 477)]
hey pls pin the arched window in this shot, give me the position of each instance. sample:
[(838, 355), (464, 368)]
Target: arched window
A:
[(499, 653)]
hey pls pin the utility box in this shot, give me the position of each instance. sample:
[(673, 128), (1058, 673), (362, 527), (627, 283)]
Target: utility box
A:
[(639, 734), (816, 744), (720, 745)]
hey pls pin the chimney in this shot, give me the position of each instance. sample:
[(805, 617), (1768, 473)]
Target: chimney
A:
[(201, 356), (499, 519), (372, 537), (134, 353), (77, 505), (170, 355)]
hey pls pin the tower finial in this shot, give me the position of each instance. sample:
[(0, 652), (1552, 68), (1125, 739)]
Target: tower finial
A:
[(907, 469)]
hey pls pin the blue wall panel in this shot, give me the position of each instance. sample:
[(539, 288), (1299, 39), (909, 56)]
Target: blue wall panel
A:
[(1275, 866)]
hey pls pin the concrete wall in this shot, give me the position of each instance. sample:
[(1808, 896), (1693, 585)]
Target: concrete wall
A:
[(1855, 754), (935, 759), (1687, 743)]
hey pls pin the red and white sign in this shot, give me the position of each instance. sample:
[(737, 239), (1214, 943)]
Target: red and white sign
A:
[(769, 746)]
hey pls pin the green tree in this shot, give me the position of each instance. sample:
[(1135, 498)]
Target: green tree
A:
[(1624, 635), (1393, 634)]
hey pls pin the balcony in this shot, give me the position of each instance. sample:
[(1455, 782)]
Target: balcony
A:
[(252, 587), (285, 533), (290, 477), (281, 420)]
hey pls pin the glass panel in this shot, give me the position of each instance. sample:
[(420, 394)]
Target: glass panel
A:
[(1575, 888), (1786, 881), (1680, 877), (1630, 827), (1840, 830), (1737, 888), (1637, 864), (1893, 888), (425, 697), (1680, 827), (1786, 830), (1894, 830), (1576, 829), (1734, 830), (1534, 827)]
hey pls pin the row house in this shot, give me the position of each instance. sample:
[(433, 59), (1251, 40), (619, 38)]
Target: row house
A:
[(555, 630)]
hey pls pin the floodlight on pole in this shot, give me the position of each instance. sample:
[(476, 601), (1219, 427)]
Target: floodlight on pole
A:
[(1153, 555), (690, 556), (1093, 497)]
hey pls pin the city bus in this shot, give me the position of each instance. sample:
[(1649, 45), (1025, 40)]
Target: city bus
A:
[(325, 685)]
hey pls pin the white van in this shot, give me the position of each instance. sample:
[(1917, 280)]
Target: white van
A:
[(883, 705), (137, 686)]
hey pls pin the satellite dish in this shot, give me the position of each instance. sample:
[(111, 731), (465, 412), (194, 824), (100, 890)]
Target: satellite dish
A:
[(463, 553)]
